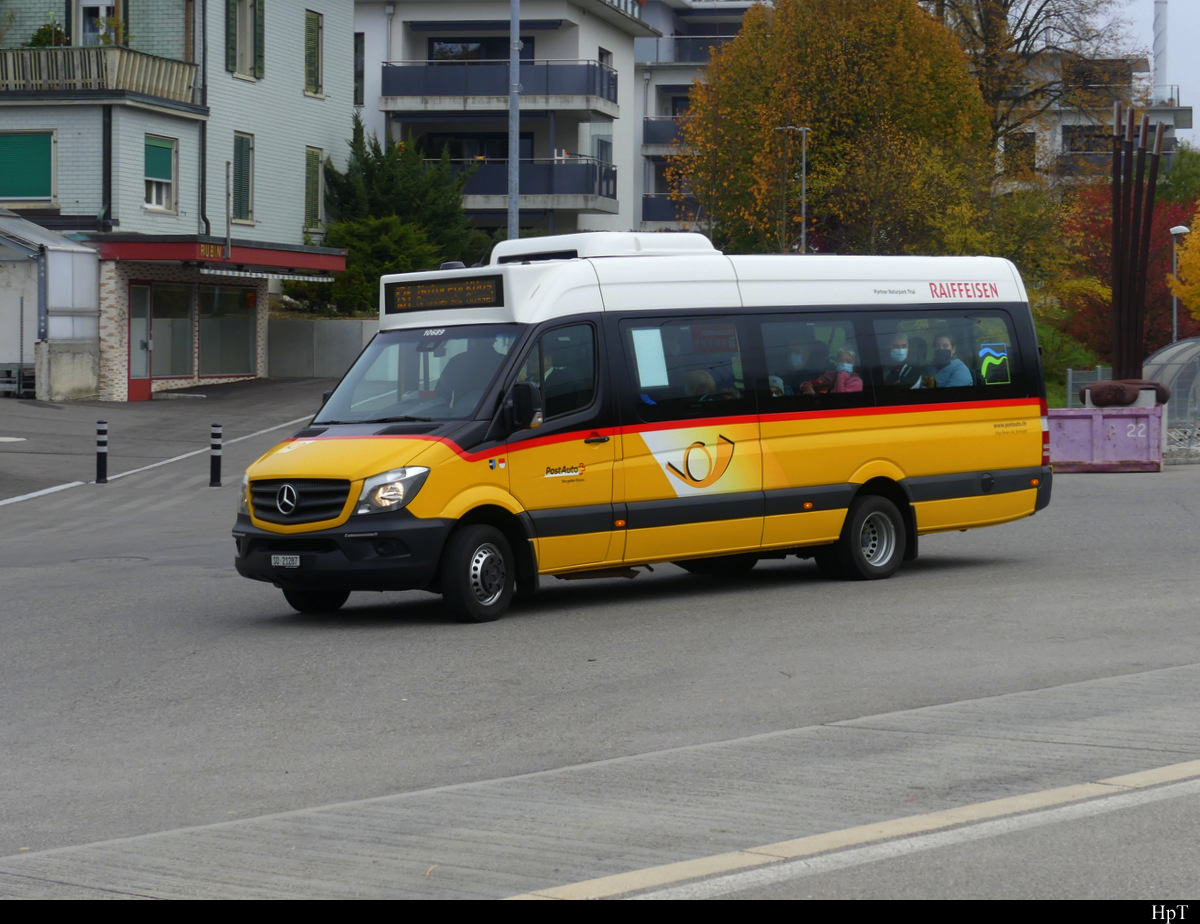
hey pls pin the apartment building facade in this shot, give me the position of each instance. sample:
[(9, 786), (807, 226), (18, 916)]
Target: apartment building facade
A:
[(183, 140), (603, 83), (666, 68)]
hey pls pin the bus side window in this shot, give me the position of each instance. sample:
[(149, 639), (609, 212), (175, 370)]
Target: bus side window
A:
[(563, 365), (948, 351), (813, 364), (684, 369)]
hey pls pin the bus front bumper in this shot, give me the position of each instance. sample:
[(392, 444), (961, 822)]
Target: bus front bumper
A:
[(380, 552)]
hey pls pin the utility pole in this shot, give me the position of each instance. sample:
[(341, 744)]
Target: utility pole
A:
[(789, 130), (514, 120)]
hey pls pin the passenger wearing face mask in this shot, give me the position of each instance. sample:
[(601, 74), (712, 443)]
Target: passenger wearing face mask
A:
[(841, 380), (902, 373), (946, 370), (806, 359)]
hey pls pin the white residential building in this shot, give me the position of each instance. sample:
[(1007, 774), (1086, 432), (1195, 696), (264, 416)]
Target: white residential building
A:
[(183, 140)]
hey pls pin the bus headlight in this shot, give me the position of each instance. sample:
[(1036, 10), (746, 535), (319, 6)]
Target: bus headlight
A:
[(391, 490), (244, 498)]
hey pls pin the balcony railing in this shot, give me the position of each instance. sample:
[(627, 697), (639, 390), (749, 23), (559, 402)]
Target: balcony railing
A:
[(678, 49), (630, 7), (1165, 94), (580, 176), (490, 78), (39, 70), (660, 130)]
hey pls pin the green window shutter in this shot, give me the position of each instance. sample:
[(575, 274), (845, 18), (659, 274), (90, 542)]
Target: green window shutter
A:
[(312, 188), (260, 45), (160, 153), (26, 166), (312, 52), (243, 168), (359, 68), (231, 8)]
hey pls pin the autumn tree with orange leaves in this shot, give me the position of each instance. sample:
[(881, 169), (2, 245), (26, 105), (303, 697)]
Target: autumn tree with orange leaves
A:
[(898, 147), (1186, 285)]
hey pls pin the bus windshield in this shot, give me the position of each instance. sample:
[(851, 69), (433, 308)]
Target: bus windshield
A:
[(420, 374)]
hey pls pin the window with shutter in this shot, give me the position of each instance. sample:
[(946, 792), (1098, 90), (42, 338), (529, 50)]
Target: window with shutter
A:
[(245, 25), (312, 189), (360, 61), (26, 166), (160, 173), (314, 28), (243, 177)]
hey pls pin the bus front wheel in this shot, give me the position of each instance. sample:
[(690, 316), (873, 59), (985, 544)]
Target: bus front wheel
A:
[(872, 542), (478, 574)]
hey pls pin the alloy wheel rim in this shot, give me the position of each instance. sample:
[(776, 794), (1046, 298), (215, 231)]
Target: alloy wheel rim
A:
[(487, 574), (878, 539)]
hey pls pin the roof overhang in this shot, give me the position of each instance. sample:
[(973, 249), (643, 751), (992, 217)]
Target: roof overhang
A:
[(205, 251)]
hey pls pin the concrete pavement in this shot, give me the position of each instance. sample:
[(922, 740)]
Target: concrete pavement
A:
[(650, 821)]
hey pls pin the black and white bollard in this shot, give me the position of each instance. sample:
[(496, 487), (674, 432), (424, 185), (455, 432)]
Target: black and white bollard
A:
[(101, 452), (214, 468)]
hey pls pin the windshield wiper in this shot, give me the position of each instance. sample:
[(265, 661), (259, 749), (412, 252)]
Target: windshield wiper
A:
[(375, 420)]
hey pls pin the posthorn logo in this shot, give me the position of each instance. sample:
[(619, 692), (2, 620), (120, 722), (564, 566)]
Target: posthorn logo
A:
[(700, 468)]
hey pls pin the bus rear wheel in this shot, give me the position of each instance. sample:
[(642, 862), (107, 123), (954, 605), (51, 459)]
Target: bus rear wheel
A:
[(316, 601), (872, 542), (478, 574)]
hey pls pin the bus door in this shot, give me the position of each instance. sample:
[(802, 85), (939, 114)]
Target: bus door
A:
[(815, 436), (562, 471), (691, 460)]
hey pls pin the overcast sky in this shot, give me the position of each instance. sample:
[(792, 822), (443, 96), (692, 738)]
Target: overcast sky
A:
[(1183, 59)]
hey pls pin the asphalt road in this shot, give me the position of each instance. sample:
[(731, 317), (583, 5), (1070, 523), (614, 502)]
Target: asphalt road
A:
[(172, 730)]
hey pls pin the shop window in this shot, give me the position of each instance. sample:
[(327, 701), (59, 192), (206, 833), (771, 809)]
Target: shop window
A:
[(171, 323), (227, 330)]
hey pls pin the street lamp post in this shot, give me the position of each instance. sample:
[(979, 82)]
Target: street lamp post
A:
[(1176, 232), (803, 130), (514, 120)]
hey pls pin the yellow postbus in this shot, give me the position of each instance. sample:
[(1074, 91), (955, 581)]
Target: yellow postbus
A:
[(584, 405)]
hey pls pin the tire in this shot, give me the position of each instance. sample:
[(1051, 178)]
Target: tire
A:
[(478, 574), (873, 539), (828, 565), (724, 566), (316, 601)]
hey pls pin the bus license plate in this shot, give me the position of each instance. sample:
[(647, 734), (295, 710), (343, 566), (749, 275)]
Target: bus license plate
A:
[(285, 561)]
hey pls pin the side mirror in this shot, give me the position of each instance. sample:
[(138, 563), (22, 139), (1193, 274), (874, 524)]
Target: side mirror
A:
[(526, 405), (325, 397)]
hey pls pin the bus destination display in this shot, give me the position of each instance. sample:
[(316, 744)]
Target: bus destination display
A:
[(425, 295)]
